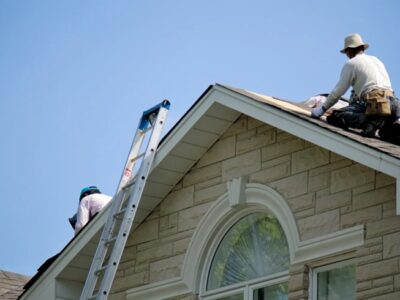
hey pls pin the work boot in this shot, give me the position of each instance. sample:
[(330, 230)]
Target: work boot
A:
[(372, 127), (396, 132), (369, 131), (390, 132)]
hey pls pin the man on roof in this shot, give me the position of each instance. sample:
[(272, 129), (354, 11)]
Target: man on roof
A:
[(372, 101), (91, 201)]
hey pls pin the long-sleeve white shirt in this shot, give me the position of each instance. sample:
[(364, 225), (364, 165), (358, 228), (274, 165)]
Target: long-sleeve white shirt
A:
[(88, 207), (364, 73)]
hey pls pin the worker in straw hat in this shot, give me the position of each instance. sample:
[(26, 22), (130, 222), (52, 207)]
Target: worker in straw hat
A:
[(372, 90)]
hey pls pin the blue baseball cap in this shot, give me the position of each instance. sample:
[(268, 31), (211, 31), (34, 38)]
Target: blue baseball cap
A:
[(88, 190)]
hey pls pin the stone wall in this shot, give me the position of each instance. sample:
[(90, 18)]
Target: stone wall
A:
[(326, 193)]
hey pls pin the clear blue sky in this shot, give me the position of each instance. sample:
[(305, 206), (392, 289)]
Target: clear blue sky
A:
[(76, 75)]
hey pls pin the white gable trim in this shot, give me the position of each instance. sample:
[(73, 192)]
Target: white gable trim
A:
[(258, 197), (182, 128)]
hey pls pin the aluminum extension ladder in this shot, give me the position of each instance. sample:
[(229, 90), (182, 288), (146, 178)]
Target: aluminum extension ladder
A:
[(124, 204)]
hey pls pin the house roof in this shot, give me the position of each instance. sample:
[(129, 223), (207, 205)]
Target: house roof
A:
[(201, 126), (11, 284), (303, 112)]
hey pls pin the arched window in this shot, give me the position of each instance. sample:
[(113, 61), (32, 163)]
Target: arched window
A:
[(245, 243), (251, 261)]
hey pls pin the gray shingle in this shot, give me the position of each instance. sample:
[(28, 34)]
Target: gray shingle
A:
[(11, 284)]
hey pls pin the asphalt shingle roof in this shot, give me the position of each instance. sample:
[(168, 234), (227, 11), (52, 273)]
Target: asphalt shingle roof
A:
[(298, 111), (11, 285)]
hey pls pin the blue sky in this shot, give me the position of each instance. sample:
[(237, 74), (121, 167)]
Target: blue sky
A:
[(75, 77)]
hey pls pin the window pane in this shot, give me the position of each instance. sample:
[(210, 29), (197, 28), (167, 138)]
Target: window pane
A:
[(273, 292), (254, 247), (337, 284)]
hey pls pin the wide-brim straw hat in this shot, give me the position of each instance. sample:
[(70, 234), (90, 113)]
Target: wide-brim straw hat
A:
[(353, 41)]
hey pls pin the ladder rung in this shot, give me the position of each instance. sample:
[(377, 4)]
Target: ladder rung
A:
[(92, 297), (110, 241), (120, 213), (101, 270), (130, 183), (137, 157)]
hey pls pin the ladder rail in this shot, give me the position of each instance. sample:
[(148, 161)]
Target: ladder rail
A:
[(130, 165), (113, 238), (132, 206), (100, 254), (145, 124)]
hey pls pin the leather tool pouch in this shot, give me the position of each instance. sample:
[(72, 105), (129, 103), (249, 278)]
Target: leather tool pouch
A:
[(378, 103)]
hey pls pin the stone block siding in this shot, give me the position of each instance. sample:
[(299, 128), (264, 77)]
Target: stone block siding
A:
[(325, 191)]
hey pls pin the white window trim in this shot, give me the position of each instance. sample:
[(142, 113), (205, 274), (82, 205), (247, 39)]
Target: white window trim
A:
[(257, 198), (230, 292), (330, 244), (314, 275), (159, 290), (249, 285)]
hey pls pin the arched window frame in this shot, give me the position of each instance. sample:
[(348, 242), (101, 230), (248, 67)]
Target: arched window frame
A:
[(240, 200), (238, 287)]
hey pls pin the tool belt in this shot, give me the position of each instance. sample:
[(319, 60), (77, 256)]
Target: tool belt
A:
[(378, 102)]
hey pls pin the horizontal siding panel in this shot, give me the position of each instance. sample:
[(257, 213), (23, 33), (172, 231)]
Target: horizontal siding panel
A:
[(178, 164), (89, 249), (189, 151), (212, 125), (200, 138), (74, 273), (165, 176), (82, 261), (156, 189), (222, 112)]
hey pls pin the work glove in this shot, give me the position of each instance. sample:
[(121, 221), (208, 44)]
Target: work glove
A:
[(318, 112)]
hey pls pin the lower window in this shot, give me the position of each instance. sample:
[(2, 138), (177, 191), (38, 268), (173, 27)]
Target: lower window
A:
[(335, 282), (273, 292)]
